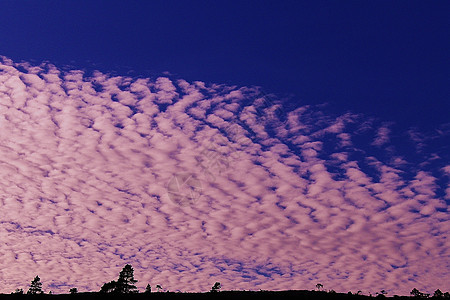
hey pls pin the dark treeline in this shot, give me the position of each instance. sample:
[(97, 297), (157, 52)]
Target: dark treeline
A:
[(225, 295), (124, 288)]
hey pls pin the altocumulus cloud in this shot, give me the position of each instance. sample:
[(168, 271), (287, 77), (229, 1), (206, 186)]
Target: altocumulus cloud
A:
[(284, 199)]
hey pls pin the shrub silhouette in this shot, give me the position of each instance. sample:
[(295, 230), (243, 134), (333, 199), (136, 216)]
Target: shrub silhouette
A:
[(216, 287), (438, 294), (109, 287), (418, 294), (18, 292), (73, 290), (415, 292)]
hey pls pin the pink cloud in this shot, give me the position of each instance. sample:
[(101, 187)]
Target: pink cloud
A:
[(382, 136), (85, 165)]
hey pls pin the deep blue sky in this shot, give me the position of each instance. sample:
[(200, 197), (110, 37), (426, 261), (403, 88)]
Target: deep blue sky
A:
[(384, 58)]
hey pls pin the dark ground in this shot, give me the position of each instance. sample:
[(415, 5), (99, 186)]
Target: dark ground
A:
[(234, 295)]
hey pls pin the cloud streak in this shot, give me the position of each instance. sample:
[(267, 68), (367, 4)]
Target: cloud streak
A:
[(287, 198)]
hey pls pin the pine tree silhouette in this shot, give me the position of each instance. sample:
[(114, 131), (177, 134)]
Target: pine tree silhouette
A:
[(126, 281), (35, 286), (123, 285)]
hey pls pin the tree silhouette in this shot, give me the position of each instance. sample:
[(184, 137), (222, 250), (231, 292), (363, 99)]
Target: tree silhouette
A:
[(381, 294), (216, 287), (35, 286), (126, 281), (123, 285), (73, 290), (148, 289), (438, 294), (18, 291), (109, 287), (319, 286), (416, 293), (158, 286)]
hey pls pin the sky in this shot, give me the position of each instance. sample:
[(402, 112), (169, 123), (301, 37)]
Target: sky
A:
[(264, 145)]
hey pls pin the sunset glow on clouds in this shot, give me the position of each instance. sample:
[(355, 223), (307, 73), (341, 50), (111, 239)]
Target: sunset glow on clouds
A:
[(279, 199)]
